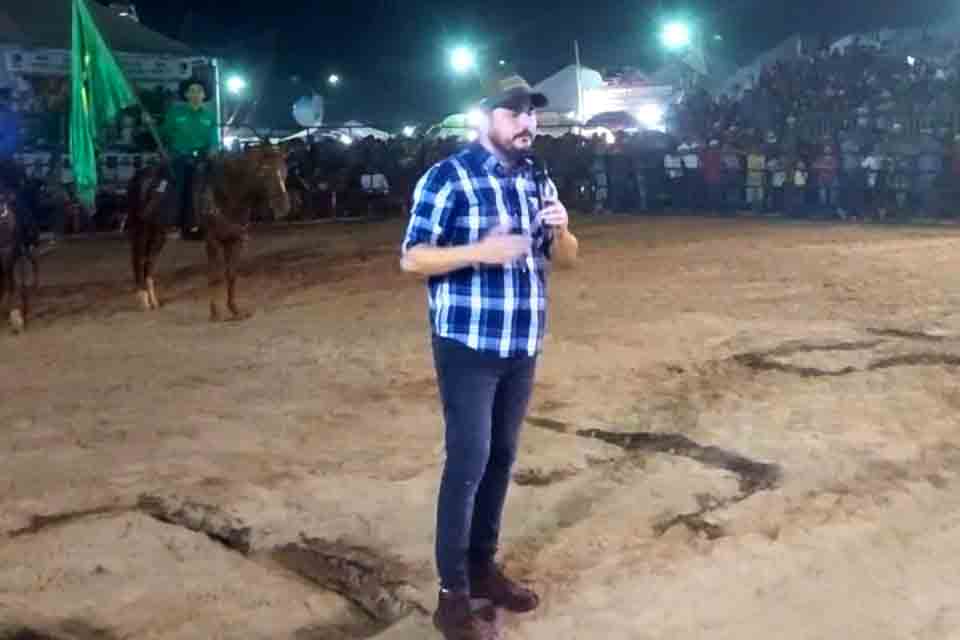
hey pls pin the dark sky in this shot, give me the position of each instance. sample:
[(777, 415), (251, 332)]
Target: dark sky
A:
[(391, 53)]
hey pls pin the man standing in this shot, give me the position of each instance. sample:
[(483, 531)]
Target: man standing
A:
[(484, 230), (190, 131)]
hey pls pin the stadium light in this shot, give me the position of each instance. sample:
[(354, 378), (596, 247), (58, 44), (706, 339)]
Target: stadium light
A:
[(463, 60), (676, 36), (333, 80), (236, 84)]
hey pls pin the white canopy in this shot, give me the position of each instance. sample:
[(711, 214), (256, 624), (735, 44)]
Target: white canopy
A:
[(561, 87)]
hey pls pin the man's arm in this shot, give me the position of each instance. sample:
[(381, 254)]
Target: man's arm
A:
[(423, 252), (564, 247)]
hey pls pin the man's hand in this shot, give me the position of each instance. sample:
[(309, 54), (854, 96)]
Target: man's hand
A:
[(500, 247), (555, 215)]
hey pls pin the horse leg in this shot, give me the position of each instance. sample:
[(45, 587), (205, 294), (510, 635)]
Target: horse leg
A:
[(138, 255), (23, 289), (217, 277), (15, 294), (232, 255), (157, 239), (5, 287)]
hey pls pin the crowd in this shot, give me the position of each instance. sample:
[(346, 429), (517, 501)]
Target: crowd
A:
[(851, 131)]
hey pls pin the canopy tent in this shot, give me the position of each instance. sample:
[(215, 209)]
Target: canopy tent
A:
[(561, 87), (346, 132), (46, 24), (456, 125)]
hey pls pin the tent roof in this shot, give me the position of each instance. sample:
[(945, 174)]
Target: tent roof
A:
[(561, 87), (48, 24)]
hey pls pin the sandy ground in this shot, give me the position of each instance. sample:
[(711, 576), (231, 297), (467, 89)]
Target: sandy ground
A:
[(741, 429)]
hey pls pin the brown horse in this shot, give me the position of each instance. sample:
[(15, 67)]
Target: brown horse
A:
[(17, 256), (224, 199)]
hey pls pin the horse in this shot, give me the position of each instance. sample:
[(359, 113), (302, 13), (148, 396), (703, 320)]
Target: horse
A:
[(17, 249), (225, 194)]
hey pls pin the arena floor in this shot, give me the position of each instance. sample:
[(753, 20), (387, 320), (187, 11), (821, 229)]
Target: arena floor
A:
[(742, 429)]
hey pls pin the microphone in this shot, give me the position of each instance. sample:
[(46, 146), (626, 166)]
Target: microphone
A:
[(546, 191)]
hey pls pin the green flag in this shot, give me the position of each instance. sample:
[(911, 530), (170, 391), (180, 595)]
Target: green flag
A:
[(99, 91)]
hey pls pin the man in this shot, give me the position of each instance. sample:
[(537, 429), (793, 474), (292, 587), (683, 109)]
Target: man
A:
[(190, 132), (756, 174), (826, 167), (712, 162), (484, 232), (673, 168)]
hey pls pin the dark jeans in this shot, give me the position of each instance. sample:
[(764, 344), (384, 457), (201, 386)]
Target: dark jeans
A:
[(484, 403), (184, 173)]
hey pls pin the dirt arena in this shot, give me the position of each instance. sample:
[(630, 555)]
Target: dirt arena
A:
[(742, 429)]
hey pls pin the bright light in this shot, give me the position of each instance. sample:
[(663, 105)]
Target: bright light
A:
[(472, 136), (229, 141), (503, 63), (475, 118), (463, 60), (345, 139), (333, 80), (651, 116), (409, 131), (676, 35), (911, 60), (236, 84)]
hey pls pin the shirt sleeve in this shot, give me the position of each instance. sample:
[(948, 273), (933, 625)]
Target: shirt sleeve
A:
[(433, 201)]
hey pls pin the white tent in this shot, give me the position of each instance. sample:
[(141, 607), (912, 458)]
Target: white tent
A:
[(348, 131), (561, 87)]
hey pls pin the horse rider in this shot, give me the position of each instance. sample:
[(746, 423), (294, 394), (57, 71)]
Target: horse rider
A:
[(190, 133)]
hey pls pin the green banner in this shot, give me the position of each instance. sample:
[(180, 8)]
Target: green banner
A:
[(99, 91)]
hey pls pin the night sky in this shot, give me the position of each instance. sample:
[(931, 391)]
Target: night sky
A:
[(391, 53)]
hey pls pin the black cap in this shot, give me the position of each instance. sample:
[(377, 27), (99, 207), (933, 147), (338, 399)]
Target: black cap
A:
[(513, 92)]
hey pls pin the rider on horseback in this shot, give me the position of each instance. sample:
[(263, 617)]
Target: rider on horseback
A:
[(190, 132)]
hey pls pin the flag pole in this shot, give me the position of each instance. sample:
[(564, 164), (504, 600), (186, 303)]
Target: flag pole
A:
[(576, 55), (146, 117)]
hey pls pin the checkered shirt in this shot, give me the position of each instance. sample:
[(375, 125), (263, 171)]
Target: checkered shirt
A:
[(493, 309)]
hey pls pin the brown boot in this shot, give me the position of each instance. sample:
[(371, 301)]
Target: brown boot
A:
[(488, 582), (456, 621)]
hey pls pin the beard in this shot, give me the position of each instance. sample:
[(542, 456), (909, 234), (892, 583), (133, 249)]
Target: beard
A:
[(516, 148)]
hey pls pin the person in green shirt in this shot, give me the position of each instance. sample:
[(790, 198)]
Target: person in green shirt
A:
[(190, 133)]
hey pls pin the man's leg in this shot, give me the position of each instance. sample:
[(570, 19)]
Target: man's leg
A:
[(184, 172), (509, 410), (468, 384)]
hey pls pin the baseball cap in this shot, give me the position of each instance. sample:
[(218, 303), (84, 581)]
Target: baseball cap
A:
[(512, 92)]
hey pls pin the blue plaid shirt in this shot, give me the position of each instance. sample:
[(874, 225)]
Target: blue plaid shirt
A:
[(493, 309)]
